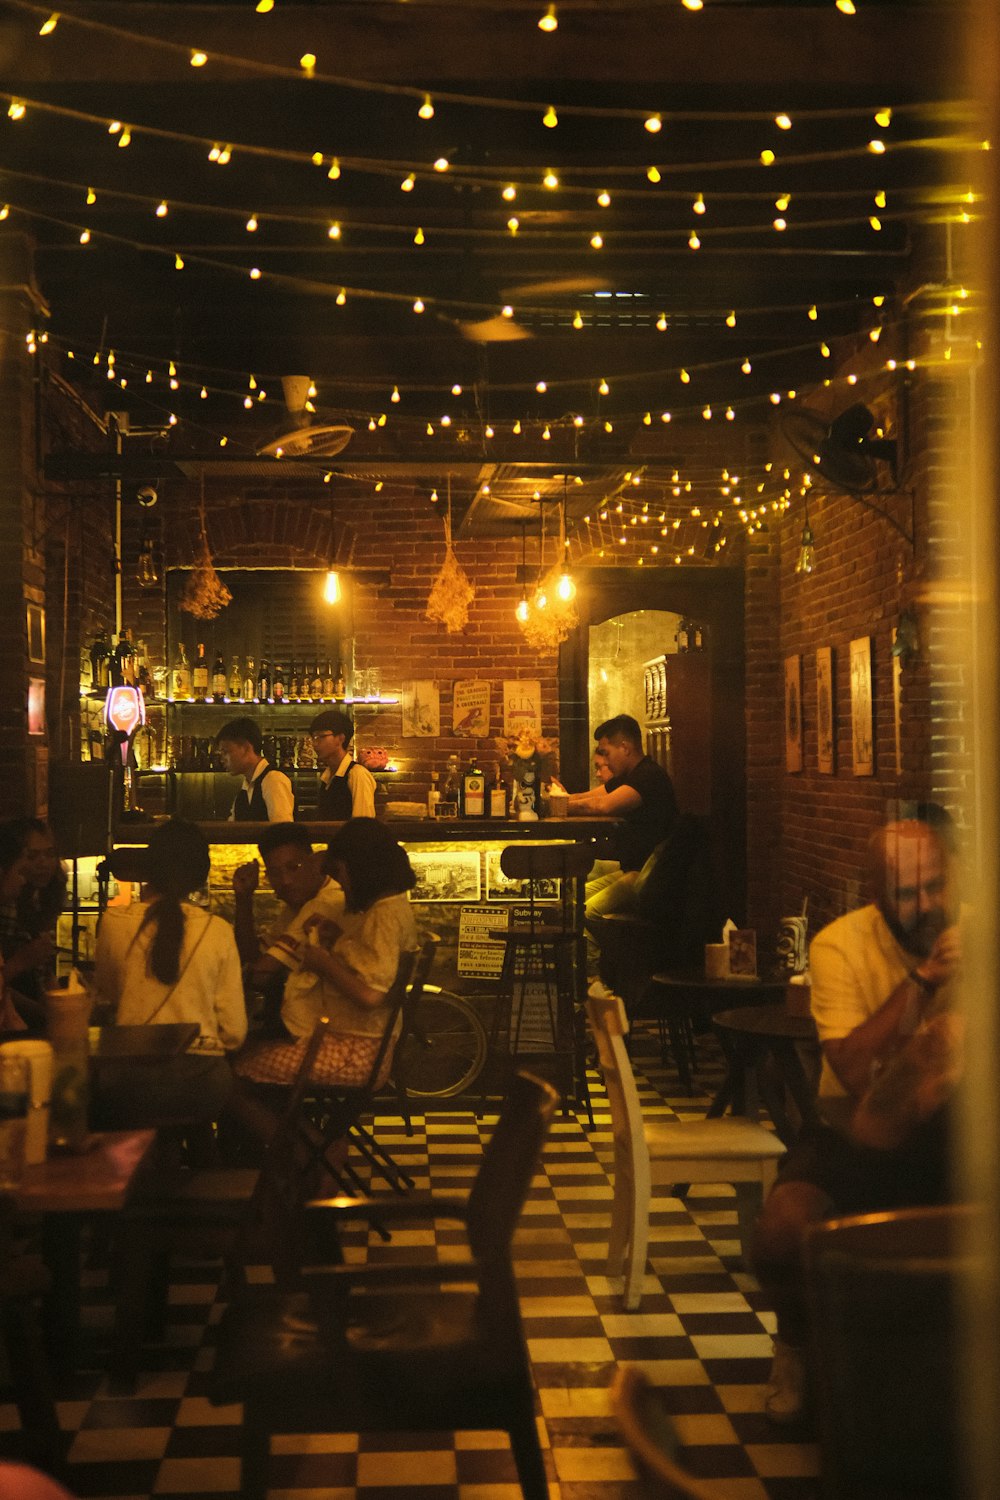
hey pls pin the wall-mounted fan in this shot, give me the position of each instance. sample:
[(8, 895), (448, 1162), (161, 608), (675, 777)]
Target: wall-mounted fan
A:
[(844, 452), (303, 439)]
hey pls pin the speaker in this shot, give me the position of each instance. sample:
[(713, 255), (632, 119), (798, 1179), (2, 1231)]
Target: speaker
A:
[(80, 807)]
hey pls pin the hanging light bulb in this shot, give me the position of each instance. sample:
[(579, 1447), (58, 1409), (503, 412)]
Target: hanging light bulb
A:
[(550, 21), (523, 609), (147, 574), (807, 550), (331, 586)]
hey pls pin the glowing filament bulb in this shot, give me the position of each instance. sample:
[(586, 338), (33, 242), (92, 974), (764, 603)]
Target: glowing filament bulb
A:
[(878, 301), (429, 429), (877, 147), (333, 232), (317, 158), (395, 397), (706, 412), (647, 419), (730, 414), (255, 273), (692, 5), (550, 119), (604, 389), (781, 203), (264, 7), (49, 26), (442, 164), (125, 139), (16, 110), (307, 62), (824, 349), (513, 224), (780, 224), (685, 378), (419, 237), (251, 224), (203, 394), (577, 321), (565, 588), (875, 222), (596, 242), (418, 306), (522, 611), (653, 123), (331, 587), (506, 311), (426, 110), (334, 171), (456, 390), (653, 174), (509, 193), (541, 387), (199, 59), (488, 432), (604, 199), (847, 7), (546, 433), (341, 297), (880, 199), (661, 323), (883, 118), (248, 403), (693, 241), (783, 122), (85, 237), (699, 204), (224, 158), (516, 429), (731, 319), (876, 333), (812, 313), (113, 125), (549, 21), (91, 196), (408, 183), (550, 180), (767, 158)]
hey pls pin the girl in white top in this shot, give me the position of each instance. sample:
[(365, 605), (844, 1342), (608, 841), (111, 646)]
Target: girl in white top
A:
[(168, 960)]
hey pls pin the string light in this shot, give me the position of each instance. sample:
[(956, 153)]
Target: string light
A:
[(426, 110), (49, 26), (550, 119), (604, 199), (596, 242), (251, 224), (550, 180), (767, 158), (783, 122), (653, 123), (661, 323), (693, 241), (418, 238), (16, 110), (847, 7), (549, 21), (199, 59), (408, 183), (264, 7), (699, 204)]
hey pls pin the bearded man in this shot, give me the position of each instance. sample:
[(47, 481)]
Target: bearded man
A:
[(882, 983)]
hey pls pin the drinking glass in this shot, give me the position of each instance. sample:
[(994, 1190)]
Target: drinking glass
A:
[(13, 1121), (374, 682)]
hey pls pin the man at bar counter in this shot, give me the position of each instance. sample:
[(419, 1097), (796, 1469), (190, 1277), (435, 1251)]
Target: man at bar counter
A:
[(638, 791), (346, 790), (882, 992), (298, 880), (266, 795)]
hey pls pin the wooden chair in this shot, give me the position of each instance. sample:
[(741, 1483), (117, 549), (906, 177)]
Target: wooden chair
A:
[(882, 1293), (24, 1281), (651, 1440), (397, 1347), (544, 953), (237, 1214), (661, 1152), (332, 1112)]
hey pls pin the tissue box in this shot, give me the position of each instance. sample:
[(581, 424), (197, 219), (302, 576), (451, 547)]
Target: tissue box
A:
[(743, 952)]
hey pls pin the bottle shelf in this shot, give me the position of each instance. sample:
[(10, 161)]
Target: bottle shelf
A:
[(99, 694)]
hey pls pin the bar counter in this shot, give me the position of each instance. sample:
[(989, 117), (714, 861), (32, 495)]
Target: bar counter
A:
[(408, 831)]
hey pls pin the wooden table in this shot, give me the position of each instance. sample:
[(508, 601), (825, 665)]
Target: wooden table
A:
[(678, 999), (753, 1037), (65, 1190)]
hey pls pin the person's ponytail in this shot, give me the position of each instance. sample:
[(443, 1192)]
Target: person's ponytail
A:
[(166, 917), (178, 860)]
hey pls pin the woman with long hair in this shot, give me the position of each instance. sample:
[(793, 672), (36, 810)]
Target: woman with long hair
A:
[(165, 959), (354, 961), (29, 952)]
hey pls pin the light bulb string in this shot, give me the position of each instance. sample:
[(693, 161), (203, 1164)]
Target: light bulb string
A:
[(313, 75)]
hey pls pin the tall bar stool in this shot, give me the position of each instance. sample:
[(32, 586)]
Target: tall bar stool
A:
[(544, 968)]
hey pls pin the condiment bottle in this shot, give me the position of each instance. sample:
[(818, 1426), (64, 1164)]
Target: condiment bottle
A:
[(67, 1013)]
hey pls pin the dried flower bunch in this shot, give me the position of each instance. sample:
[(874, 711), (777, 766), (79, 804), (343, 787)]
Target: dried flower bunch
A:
[(523, 745), (550, 619), (205, 594), (452, 593)]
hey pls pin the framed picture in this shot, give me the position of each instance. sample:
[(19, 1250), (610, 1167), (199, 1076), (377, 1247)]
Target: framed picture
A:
[(522, 707), (500, 887), (445, 875), (471, 708), (862, 726), (36, 634), (826, 738), (36, 705), (793, 713), (421, 710)]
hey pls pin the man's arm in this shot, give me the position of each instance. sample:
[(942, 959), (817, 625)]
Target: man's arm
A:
[(858, 1056), (245, 878), (362, 784), (601, 803), (279, 799), (912, 1086)]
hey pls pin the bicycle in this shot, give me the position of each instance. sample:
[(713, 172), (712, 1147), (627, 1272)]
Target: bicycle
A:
[(445, 1050)]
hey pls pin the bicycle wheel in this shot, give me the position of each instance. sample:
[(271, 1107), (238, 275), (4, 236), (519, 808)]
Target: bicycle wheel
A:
[(445, 1052)]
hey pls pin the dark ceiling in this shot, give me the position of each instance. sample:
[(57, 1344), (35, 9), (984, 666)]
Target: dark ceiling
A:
[(341, 310)]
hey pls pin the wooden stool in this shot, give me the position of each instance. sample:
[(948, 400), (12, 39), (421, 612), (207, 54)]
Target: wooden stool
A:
[(546, 953)]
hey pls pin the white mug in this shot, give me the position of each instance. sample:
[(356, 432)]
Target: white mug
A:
[(38, 1056)]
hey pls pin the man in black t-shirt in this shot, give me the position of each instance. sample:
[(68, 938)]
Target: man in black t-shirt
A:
[(641, 793)]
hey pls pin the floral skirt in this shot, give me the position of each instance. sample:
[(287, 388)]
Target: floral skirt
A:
[(343, 1059)]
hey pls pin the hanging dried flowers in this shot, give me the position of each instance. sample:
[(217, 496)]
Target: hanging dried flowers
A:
[(205, 594), (452, 593), (552, 613)]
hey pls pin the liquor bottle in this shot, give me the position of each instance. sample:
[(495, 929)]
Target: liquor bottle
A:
[(294, 686), (697, 642), (340, 682), (235, 680), (684, 636), (143, 676), (199, 673), (278, 685), (219, 679), (123, 664), (433, 796), (316, 684), (473, 792), (264, 681), (329, 685), (449, 792), (181, 680), (100, 661), (498, 796), (249, 681)]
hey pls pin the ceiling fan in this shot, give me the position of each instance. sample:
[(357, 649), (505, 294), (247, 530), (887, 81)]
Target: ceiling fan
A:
[(844, 452), (305, 439)]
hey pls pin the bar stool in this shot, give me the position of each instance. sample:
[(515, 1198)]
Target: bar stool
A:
[(544, 958)]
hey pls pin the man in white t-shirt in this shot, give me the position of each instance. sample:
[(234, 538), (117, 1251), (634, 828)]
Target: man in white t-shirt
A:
[(297, 877), (882, 1001)]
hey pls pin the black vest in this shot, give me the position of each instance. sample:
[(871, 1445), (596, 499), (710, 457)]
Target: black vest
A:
[(335, 803), (251, 808)]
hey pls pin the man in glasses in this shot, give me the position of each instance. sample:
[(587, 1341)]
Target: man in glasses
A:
[(346, 789), (273, 964)]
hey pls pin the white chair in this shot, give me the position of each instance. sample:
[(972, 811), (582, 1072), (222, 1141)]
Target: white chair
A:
[(667, 1152)]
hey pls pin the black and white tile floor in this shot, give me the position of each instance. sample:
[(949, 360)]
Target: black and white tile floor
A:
[(702, 1334)]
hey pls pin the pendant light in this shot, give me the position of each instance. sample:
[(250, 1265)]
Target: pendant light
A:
[(565, 588), (806, 560), (331, 588), (523, 609)]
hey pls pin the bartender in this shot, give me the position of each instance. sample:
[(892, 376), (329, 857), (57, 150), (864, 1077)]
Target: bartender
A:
[(266, 795), (346, 789)]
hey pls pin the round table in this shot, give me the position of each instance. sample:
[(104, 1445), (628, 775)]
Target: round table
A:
[(679, 999), (753, 1038)]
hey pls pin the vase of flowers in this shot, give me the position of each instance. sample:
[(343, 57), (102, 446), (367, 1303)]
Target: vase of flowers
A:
[(529, 762)]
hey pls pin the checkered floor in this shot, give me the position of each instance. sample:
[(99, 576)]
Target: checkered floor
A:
[(702, 1334)]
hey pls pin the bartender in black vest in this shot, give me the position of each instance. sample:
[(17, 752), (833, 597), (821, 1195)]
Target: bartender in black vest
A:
[(266, 795), (346, 790)]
